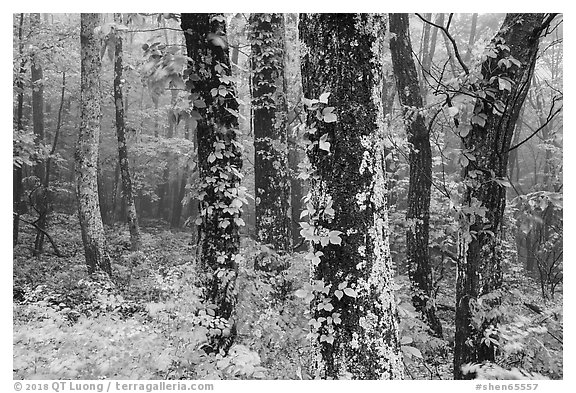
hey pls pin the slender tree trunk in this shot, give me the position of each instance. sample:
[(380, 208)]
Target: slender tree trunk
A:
[(355, 331), (293, 89), (424, 51), (428, 58), (471, 38), (17, 167), (39, 198), (132, 217), (271, 175), (37, 76), (177, 201), (95, 247), (449, 50), (488, 142), (420, 159), (42, 221), (220, 160)]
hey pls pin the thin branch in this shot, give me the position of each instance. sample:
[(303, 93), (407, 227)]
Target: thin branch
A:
[(548, 120), (54, 246), (545, 24), (452, 40), (157, 29)]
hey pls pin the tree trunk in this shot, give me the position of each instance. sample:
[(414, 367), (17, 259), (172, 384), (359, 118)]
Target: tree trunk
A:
[(37, 76), (355, 329), (481, 217), (179, 194), (220, 160), (132, 217), (420, 159), (449, 49), (471, 38), (424, 51), (293, 89), (39, 198), (17, 167), (95, 248), (271, 175), (429, 56), (42, 220)]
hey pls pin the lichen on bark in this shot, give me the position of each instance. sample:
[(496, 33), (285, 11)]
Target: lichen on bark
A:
[(342, 57), (86, 156)]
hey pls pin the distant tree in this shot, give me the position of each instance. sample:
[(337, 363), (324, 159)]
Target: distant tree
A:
[(135, 237), (213, 96), (420, 160), (506, 75), (272, 181), (355, 321), (95, 247)]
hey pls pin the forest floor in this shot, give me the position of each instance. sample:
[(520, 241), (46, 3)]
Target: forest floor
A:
[(145, 322)]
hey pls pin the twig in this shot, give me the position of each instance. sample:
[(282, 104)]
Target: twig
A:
[(452, 40)]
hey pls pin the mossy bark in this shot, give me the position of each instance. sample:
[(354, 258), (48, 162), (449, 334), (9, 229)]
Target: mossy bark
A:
[(271, 172), (480, 245), (220, 159), (420, 160), (342, 56), (86, 169)]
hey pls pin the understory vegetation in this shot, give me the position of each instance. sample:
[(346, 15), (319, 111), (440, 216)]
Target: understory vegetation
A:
[(147, 322)]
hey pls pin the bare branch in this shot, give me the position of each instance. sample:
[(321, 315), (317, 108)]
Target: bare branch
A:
[(548, 120), (449, 36)]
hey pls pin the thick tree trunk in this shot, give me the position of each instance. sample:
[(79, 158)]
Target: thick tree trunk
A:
[(95, 248), (271, 174), (487, 143), (420, 159), (355, 327), (132, 217), (220, 160)]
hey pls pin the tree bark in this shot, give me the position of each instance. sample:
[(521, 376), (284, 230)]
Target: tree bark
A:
[(356, 323), (487, 144), (271, 173), (471, 38), (293, 89), (17, 167), (220, 160), (37, 76), (40, 194), (420, 160), (95, 247), (424, 51), (132, 217)]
